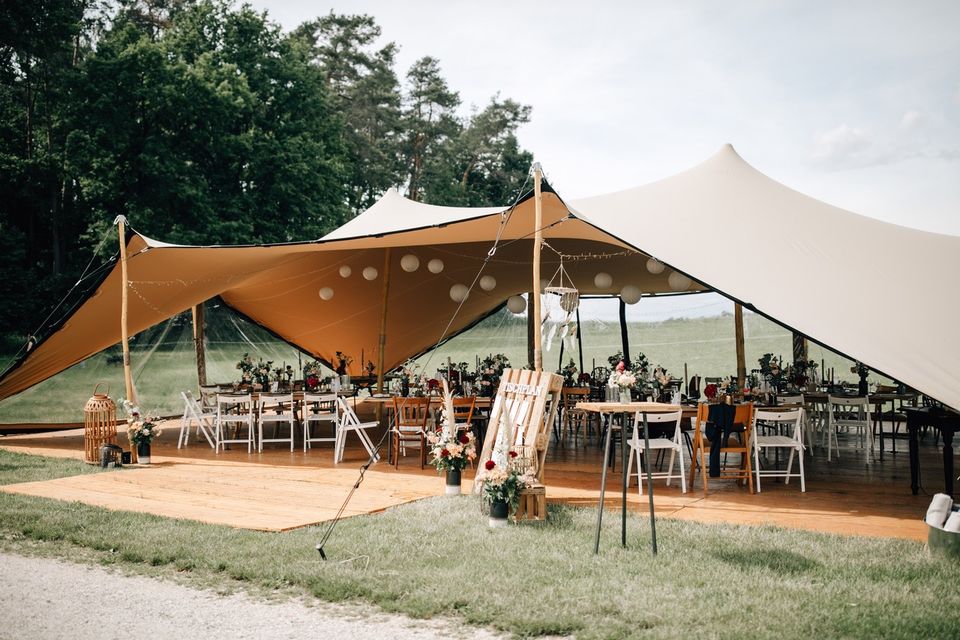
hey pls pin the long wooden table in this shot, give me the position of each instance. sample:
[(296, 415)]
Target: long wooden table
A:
[(627, 408)]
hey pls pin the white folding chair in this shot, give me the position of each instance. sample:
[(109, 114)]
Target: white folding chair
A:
[(850, 413), (236, 410), (194, 413), (281, 404), (349, 422), (319, 408), (807, 424), (792, 420), (637, 447)]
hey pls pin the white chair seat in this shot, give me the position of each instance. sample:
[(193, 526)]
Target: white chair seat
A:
[(655, 443), (777, 441)]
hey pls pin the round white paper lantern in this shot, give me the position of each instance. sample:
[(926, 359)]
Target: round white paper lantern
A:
[(655, 267), (459, 292), (678, 281), (603, 280), (516, 304), (370, 273), (488, 283), (435, 265), (326, 293), (409, 263), (631, 294), (345, 271)]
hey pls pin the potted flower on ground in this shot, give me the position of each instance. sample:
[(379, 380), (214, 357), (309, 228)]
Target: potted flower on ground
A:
[(451, 453), (501, 487), (141, 434)]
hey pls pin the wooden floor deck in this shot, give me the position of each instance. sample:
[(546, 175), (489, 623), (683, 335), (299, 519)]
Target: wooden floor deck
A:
[(279, 490)]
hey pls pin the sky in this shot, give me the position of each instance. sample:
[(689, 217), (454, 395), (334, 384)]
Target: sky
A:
[(855, 103)]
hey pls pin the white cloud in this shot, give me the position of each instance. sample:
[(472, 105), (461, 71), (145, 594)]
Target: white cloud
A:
[(911, 119), (841, 145)]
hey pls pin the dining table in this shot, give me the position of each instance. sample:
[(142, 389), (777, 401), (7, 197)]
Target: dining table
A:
[(626, 409)]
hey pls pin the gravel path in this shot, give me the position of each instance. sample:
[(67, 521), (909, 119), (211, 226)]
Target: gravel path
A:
[(42, 598)]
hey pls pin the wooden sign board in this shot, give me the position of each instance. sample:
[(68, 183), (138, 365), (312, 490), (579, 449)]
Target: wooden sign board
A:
[(526, 403)]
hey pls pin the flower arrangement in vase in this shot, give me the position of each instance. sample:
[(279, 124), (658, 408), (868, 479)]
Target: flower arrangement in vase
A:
[(141, 433), (312, 375), (452, 452), (343, 361), (246, 366), (569, 373), (623, 380), (261, 374), (501, 485), (490, 371)]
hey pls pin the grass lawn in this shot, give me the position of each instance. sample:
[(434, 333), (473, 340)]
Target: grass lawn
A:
[(438, 557)]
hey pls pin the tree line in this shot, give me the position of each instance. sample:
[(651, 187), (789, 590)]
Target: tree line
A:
[(204, 122)]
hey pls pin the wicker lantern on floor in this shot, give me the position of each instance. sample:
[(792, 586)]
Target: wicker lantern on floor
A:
[(99, 425)]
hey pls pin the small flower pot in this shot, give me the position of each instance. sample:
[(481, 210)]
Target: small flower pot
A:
[(453, 482), (143, 453), (498, 513)]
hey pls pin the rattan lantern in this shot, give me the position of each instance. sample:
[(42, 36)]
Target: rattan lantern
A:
[(99, 425)]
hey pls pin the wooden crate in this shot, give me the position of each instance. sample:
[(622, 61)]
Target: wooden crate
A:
[(533, 504)]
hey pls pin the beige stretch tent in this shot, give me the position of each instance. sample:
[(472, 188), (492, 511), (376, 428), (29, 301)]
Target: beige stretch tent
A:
[(871, 290)]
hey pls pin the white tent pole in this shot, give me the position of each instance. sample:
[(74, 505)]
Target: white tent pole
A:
[(124, 332), (537, 241)]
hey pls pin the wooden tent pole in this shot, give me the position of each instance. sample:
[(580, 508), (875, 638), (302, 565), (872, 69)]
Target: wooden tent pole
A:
[(121, 223), (537, 241), (741, 355), (381, 355), (530, 324), (198, 333)]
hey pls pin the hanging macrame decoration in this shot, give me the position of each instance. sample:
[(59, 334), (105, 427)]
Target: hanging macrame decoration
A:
[(561, 300)]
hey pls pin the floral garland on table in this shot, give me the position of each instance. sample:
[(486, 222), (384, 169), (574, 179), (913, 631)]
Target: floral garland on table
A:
[(451, 451), (504, 483)]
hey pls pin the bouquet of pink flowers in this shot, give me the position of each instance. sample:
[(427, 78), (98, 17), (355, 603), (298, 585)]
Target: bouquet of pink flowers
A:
[(451, 451)]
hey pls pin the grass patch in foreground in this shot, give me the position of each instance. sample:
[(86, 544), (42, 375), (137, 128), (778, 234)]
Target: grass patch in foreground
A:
[(438, 557)]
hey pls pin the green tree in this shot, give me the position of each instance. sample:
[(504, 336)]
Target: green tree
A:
[(429, 122), (365, 92)]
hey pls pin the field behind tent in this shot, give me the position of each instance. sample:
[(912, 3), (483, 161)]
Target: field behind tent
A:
[(164, 362)]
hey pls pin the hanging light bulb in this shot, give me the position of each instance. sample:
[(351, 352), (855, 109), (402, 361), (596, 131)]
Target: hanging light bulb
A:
[(488, 283), (326, 293), (459, 292), (678, 281), (370, 273), (603, 280), (435, 265), (630, 294), (345, 271), (655, 267), (409, 263), (516, 304)]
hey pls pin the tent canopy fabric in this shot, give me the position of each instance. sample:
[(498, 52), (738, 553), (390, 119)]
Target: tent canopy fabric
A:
[(868, 289)]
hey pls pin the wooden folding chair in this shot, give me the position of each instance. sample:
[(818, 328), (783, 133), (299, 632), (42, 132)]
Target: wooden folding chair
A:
[(410, 427), (743, 414)]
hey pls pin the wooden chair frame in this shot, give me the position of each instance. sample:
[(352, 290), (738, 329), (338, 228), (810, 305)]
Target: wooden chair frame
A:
[(701, 447)]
